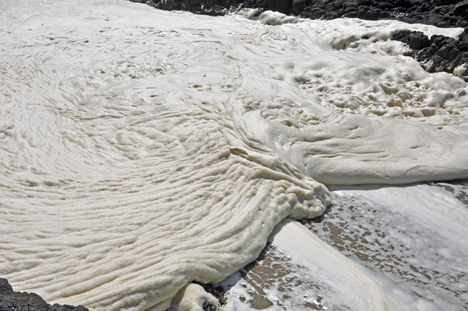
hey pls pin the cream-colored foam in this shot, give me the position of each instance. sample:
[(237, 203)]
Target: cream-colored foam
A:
[(142, 150), (351, 283), (193, 297), (120, 183), (406, 237)]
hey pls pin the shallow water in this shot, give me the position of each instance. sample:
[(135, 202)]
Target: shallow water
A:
[(142, 150), (418, 263)]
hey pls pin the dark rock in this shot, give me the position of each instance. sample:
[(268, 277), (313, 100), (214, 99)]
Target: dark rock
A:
[(438, 53), (461, 8), (209, 307), (298, 6), (385, 5), (463, 46), (448, 52), (418, 41), (464, 35), (372, 14), (351, 14), (17, 301), (415, 40), (442, 13), (427, 53), (445, 2), (5, 287), (440, 41)]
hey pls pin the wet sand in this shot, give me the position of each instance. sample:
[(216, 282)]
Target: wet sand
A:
[(360, 232)]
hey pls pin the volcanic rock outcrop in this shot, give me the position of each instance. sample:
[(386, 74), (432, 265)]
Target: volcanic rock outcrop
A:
[(440, 13), (17, 301), (436, 54)]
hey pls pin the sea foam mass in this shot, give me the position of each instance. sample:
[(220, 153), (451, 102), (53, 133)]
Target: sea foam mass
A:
[(142, 150)]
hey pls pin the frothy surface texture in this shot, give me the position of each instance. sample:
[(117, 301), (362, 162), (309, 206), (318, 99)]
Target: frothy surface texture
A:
[(141, 150), (406, 240)]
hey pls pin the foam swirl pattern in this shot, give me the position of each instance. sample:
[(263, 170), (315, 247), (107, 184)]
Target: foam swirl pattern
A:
[(141, 150), (119, 185)]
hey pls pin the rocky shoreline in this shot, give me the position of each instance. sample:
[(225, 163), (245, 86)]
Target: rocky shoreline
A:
[(18, 301), (435, 54), (438, 53), (440, 13)]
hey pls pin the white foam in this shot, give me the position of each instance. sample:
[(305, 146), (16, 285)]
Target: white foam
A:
[(142, 150), (409, 237), (310, 274), (193, 298), (393, 247), (351, 284), (119, 185), (268, 17)]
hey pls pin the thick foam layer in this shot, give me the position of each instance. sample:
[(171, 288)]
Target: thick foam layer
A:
[(349, 110), (402, 241), (142, 150), (351, 284), (407, 236), (316, 276), (120, 183)]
